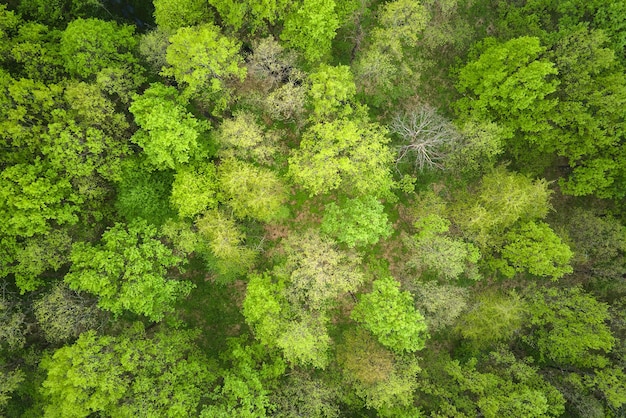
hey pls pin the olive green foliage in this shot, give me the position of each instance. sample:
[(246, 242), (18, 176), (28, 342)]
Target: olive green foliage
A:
[(345, 154), (251, 191), (302, 394), (128, 271), (163, 374), (254, 15), (194, 190), (356, 222), (244, 138), (203, 60), (311, 28), (58, 11), (441, 305), (389, 314), (169, 134), (89, 45), (568, 327)]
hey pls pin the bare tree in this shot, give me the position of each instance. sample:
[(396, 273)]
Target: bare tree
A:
[(426, 137)]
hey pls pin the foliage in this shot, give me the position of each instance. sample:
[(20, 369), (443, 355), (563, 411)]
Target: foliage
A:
[(346, 154), (441, 305), (89, 45), (389, 314), (242, 137), (332, 90), (169, 134), (194, 190), (302, 394), (128, 271), (356, 222), (133, 374), (568, 327), (173, 14), (203, 60)]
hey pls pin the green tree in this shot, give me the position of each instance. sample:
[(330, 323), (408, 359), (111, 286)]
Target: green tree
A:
[(251, 191), (169, 134), (389, 314), (171, 15), (194, 190), (568, 327), (252, 15), (356, 222), (243, 137), (311, 28), (128, 271), (163, 374), (303, 394), (204, 61), (346, 154), (89, 45), (332, 91)]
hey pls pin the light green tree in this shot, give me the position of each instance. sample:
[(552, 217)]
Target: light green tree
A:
[(332, 91), (194, 190), (345, 154), (171, 15), (389, 314), (128, 271)]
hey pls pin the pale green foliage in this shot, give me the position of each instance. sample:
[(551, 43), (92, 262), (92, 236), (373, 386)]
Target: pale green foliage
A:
[(242, 137), (225, 241), (311, 28), (305, 342), (174, 14), (383, 380), (153, 48), (402, 22), (534, 247), (286, 102), (502, 200), (440, 304), (389, 314), (194, 190), (316, 272), (133, 374), (270, 62), (262, 307), (89, 45), (62, 314), (181, 235), (128, 271), (569, 327), (481, 145), (432, 251), (356, 222), (494, 317), (332, 90), (169, 133), (508, 84), (203, 60), (9, 382), (305, 395), (343, 154), (251, 191), (14, 326)]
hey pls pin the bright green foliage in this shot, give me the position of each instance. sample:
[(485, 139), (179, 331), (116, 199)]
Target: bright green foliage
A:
[(505, 387), (389, 314), (9, 23), (62, 314), (55, 12), (203, 60), (194, 190), (534, 247), (303, 395), (262, 307), (493, 318), (242, 137), (251, 191), (316, 272), (502, 200), (246, 386), (169, 134), (128, 271), (32, 196), (383, 380), (250, 14), (343, 154), (402, 22), (305, 342), (89, 45), (432, 251), (134, 374), (508, 84), (174, 14), (36, 49), (225, 242), (569, 327), (332, 90), (311, 28), (356, 222)]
